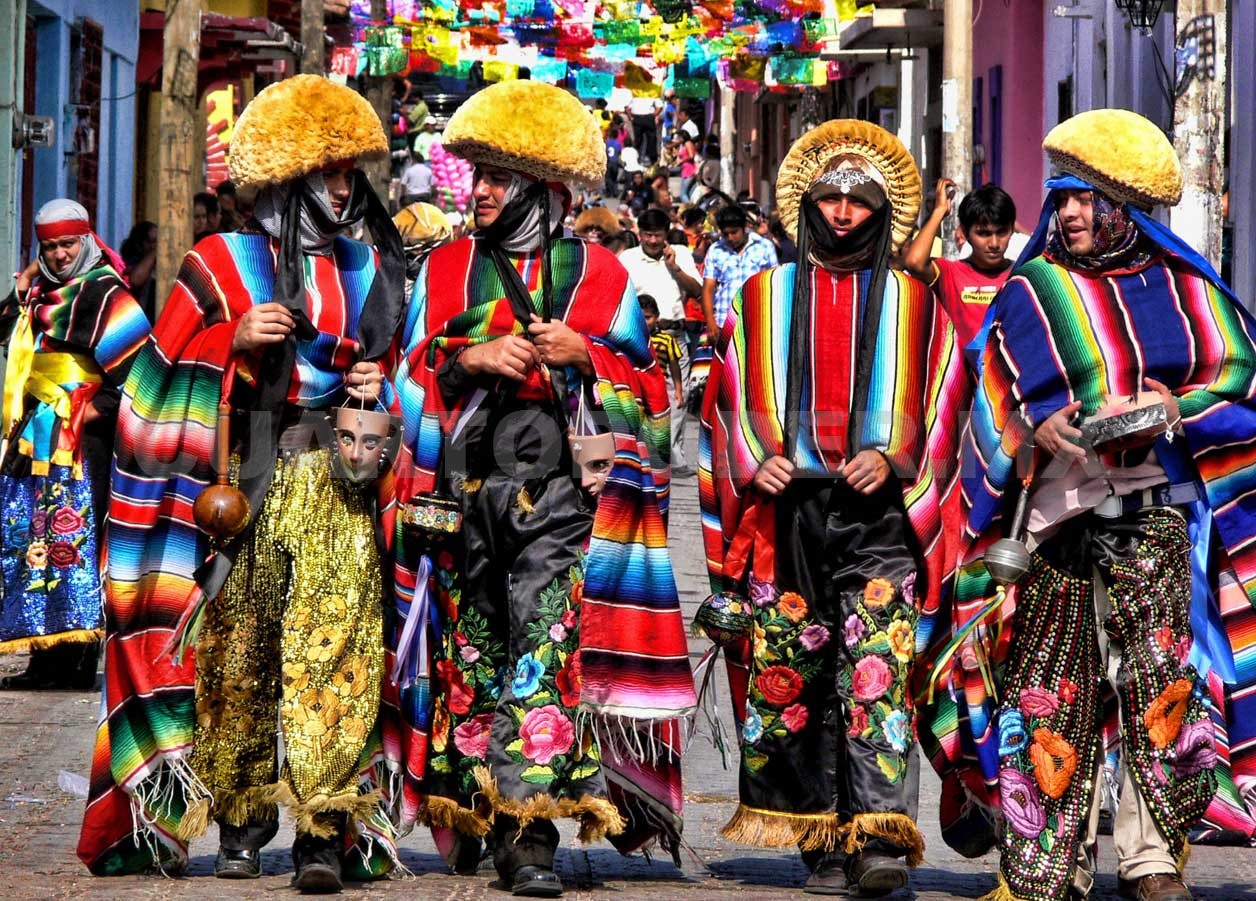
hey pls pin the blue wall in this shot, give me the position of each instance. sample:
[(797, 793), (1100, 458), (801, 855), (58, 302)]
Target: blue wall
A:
[(116, 139)]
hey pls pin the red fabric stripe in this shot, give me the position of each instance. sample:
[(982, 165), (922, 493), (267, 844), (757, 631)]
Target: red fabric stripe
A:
[(67, 228)]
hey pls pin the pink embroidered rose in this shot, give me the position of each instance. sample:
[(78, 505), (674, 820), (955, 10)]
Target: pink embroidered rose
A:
[(471, 738), (1037, 701), (1183, 650), (546, 733), (794, 717), (558, 632), (569, 619), (469, 653), (858, 722), (62, 554), (66, 521), (871, 679)]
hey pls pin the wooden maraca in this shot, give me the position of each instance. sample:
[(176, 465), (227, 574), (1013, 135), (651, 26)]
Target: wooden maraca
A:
[(221, 509)]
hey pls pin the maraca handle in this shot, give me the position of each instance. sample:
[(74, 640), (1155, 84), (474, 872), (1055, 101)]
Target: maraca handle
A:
[(222, 444)]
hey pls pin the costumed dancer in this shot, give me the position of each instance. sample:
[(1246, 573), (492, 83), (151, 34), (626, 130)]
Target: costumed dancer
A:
[(562, 680), (423, 228), (819, 510), (73, 331), (1134, 607), (279, 628)]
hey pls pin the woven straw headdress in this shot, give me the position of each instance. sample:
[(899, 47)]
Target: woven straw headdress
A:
[(814, 151)]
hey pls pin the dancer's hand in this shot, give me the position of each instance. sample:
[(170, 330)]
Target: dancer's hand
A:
[(510, 356), (1057, 437), (1171, 411), (774, 475), (364, 382), (266, 323), (867, 471), (559, 344)]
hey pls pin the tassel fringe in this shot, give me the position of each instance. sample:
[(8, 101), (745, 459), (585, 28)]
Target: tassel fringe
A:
[(597, 817), (44, 642), (1184, 858), (445, 813), (1001, 892), (897, 828), (525, 500), (772, 829)]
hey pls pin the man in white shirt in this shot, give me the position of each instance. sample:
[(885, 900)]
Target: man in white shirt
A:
[(667, 273), (416, 181)]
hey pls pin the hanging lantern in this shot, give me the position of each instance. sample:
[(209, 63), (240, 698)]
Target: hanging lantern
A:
[(1142, 13)]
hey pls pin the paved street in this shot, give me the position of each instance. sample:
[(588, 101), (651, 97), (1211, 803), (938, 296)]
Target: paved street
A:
[(43, 734)]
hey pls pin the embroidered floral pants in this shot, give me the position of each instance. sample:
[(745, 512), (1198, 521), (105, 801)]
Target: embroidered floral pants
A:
[(295, 638), (1049, 718), (506, 744), (826, 738)]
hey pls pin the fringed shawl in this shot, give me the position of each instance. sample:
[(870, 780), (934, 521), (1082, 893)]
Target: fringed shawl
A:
[(1056, 336), (633, 651), (141, 785)]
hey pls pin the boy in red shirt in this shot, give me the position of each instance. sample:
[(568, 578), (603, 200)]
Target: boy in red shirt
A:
[(966, 287)]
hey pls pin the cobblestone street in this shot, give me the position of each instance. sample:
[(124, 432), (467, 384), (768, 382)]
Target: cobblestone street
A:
[(46, 733)]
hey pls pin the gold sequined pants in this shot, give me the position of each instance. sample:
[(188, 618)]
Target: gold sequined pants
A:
[(294, 642)]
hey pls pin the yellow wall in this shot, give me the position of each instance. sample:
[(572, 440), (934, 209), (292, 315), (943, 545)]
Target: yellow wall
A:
[(225, 7)]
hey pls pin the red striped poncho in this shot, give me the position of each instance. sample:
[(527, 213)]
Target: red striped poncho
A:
[(633, 647)]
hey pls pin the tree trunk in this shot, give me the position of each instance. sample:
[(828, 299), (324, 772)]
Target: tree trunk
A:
[(182, 127)]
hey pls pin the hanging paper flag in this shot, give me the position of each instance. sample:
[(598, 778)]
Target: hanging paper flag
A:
[(846, 10), (693, 88), (626, 32), (699, 55), (638, 81), (445, 53), (519, 9), (651, 27), (795, 70), (576, 35), (344, 64), (787, 34), (591, 85), (821, 29), (669, 51), (549, 70), (671, 10), (406, 10), (747, 68), (496, 70)]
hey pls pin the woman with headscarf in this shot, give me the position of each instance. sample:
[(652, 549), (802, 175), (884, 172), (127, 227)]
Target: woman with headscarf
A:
[(819, 514), (423, 228), (562, 680), (73, 331), (223, 646)]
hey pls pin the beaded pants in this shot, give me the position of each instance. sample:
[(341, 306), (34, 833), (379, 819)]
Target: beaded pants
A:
[(293, 642), (1050, 709)]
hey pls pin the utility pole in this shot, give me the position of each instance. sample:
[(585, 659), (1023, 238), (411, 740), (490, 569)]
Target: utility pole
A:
[(12, 53), (314, 54), (957, 105), (1199, 123), (728, 139), (379, 93), (182, 127)]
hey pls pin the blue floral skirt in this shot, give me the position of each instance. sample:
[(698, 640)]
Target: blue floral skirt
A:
[(48, 556)]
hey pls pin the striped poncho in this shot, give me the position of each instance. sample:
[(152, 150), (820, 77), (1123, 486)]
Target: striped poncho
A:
[(141, 783), (743, 410), (1057, 336), (633, 650)]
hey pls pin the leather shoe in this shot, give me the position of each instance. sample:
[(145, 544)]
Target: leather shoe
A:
[(244, 863), (828, 877), (536, 882), (871, 874), (317, 866), (1156, 887)]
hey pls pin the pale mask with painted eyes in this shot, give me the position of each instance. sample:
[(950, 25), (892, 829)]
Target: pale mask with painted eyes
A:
[(362, 439)]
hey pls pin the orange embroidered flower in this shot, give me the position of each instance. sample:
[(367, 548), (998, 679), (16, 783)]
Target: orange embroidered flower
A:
[(440, 728), (792, 606), (878, 593), (1054, 762), (1163, 718)]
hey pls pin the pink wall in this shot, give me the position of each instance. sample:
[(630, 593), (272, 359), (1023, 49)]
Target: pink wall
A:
[(1010, 33)]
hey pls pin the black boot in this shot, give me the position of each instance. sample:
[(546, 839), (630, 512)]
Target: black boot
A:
[(240, 848), (873, 872), (828, 876), (524, 858), (317, 860)]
